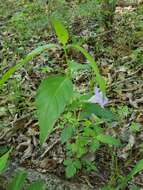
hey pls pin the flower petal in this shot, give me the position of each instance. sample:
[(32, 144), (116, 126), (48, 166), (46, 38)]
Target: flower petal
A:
[(98, 98)]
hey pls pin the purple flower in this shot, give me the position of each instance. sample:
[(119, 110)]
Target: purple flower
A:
[(98, 98)]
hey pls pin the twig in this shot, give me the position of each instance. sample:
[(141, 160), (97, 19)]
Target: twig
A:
[(49, 148)]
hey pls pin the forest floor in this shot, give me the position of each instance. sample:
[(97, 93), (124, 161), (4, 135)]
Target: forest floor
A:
[(23, 27)]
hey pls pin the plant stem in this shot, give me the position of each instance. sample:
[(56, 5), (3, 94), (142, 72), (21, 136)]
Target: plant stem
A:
[(67, 61)]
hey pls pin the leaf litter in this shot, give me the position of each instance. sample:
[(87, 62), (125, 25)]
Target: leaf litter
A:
[(125, 89)]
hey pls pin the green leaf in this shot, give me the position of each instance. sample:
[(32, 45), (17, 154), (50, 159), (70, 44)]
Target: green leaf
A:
[(68, 162), (137, 168), (107, 139), (61, 31), (22, 62), (66, 134), (77, 164), (94, 145), (88, 132), (97, 129), (70, 170), (81, 141), (18, 180), (135, 127), (81, 151), (3, 149), (53, 95), (99, 79), (3, 161), (104, 113), (37, 185), (75, 67)]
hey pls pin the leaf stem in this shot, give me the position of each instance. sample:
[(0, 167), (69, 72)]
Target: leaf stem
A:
[(68, 73)]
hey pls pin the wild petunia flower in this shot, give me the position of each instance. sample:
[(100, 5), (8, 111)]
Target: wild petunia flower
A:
[(98, 98)]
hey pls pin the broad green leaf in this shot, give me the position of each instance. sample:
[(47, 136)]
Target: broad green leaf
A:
[(99, 79), (22, 62), (70, 170), (17, 181), (3, 161), (61, 31), (103, 113), (37, 185), (68, 162), (66, 134), (53, 95), (72, 166), (81, 151), (107, 139), (87, 132), (77, 164), (98, 130)]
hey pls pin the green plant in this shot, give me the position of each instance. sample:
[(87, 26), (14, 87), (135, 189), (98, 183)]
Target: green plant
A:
[(71, 167), (137, 168), (83, 134), (25, 24), (18, 181), (58, 90), (137, 55), (122, 181), (85, 128), (108, 12), (135, 127), (83, 138), (123, 111), (87, 9), (3, 161)]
